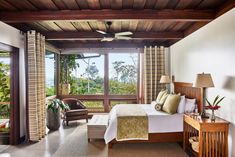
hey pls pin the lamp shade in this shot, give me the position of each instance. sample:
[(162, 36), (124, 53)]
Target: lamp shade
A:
[(165, 79), (204, 80)]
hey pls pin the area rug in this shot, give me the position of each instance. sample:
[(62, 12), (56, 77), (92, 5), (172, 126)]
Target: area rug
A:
[(77, 145)]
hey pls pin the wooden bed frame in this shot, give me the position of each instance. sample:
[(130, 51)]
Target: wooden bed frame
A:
[(184, 89)]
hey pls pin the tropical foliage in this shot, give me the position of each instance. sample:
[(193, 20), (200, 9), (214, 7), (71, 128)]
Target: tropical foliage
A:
[(215, 104), (123, 79), (4, 90), (57, 104), (50, 91)]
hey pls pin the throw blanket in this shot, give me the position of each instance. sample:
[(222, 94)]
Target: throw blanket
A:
[(132, 123)]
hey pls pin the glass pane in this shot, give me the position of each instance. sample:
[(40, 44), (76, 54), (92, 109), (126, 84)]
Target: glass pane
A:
[(50, 73), (113, 103), (123, 73), (4, 92), (94, 106), (88, 76)]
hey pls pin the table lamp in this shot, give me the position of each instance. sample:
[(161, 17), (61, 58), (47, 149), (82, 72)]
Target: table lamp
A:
[(204, 81), (165, 79)]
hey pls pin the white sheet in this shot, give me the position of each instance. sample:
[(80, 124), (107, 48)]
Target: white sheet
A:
[(159, 122)]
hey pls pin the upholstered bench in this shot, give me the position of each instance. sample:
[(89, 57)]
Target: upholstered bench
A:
[(96, 127)]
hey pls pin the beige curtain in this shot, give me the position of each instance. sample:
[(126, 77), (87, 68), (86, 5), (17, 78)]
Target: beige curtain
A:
[(154, 67), (36, 85)]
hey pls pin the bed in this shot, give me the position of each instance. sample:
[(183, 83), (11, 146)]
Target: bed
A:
[(166, 130)]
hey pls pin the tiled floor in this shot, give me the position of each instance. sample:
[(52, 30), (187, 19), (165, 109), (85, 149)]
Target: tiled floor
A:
[(46, 147), (72, 141)]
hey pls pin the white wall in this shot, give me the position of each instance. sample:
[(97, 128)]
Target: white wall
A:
[(211, 49), (13, 37)]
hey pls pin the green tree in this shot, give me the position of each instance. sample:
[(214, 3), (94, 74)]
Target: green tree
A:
[(125, 73), (68, 64), (91, 72), (4, 82), (118, 66), (4, 89)]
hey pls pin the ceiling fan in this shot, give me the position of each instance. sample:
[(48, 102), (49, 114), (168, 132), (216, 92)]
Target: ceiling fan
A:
[(110, 36)]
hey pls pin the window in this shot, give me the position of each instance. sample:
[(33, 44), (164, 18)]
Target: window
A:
[(88, 76), (94, 106), (113, 103), (123, 76), (50, 66), (100, 80)]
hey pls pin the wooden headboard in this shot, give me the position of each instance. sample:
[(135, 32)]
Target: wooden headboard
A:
[(189, 91)]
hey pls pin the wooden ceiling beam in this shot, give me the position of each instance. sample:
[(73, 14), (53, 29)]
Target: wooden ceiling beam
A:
[(228, 5), (167, 14), (97, 36), (117, 44), (194, 27)]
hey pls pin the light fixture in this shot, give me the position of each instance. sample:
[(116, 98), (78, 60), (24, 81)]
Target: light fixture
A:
[(204, 81), (165, 79)]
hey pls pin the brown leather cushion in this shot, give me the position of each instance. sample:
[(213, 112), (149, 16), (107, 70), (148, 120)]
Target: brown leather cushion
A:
[(79, 112), (74, 103)]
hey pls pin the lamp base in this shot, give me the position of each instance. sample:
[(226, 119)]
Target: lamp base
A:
[(204, 115)]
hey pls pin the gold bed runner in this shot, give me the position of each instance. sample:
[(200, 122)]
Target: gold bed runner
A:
[(132, 123)]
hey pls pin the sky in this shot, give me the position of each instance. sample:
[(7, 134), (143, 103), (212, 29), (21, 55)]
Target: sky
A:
[(5, 60), (98, 61)]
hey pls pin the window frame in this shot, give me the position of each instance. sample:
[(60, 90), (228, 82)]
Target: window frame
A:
[(56, 66), (106, 97)]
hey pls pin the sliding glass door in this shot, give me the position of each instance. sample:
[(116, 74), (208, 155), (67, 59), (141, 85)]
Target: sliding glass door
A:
[(4, 97), (9, 95)]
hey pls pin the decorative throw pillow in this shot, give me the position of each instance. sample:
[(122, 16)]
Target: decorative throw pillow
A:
[(189, 105), (158, 107), (163, 98), (153, 103), (171, 104), (181, 107), (160, 94)]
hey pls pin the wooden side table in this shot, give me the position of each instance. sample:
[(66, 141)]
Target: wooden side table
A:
[(213, 136)]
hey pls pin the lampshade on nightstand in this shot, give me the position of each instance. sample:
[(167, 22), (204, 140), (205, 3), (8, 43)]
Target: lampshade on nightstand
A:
[(204, 81), (165, 79)]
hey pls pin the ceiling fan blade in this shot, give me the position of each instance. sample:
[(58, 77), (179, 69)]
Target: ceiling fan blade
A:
[(123, 33), (107, 39), (123, 37), (102, 32)]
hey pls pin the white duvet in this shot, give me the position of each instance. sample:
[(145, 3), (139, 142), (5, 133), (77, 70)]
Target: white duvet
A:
[(159, 122)]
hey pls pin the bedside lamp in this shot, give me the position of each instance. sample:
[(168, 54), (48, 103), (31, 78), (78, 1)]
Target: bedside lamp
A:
[(204, 81), (165, 79)]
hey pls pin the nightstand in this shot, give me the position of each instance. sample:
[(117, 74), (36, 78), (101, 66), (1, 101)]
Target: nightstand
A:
[(213, 136)]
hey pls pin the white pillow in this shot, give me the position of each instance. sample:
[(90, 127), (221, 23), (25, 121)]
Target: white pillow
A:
[(189, 105), (153, 103), (181, 107)]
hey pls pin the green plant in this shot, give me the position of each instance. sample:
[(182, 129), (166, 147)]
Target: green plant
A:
[(55, 104), (215, 104), (4, 90), (67, 65), (4, 82)]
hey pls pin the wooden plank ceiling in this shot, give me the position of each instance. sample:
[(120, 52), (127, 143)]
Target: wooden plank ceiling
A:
[(73, 23)]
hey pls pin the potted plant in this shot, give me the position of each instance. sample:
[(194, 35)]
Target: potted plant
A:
[(53, 113), (214, 106)]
